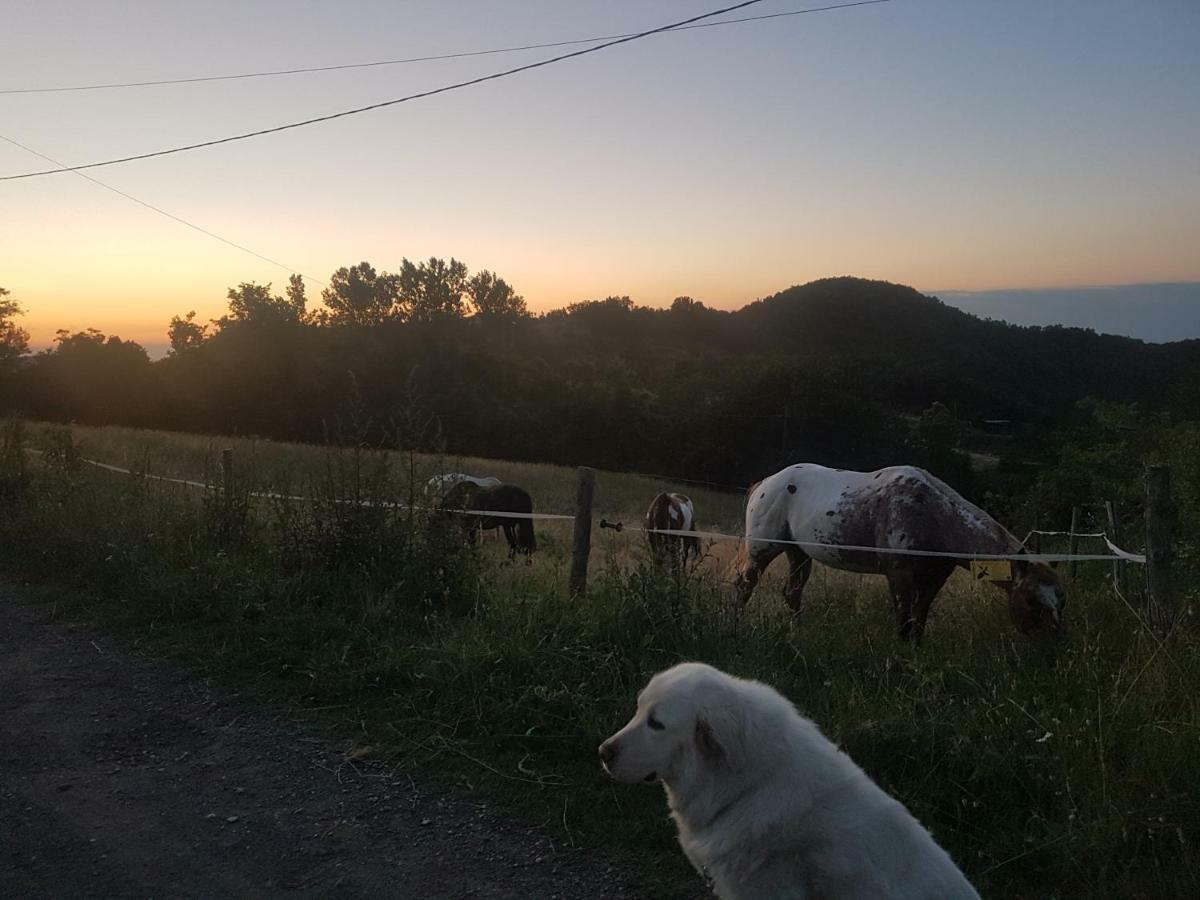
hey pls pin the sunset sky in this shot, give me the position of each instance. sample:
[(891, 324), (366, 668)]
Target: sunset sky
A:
[(947, 144)]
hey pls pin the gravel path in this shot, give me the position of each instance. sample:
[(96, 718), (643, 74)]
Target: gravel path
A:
[(122, 777)]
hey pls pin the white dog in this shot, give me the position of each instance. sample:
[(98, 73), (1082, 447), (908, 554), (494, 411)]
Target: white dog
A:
[(766, 806)]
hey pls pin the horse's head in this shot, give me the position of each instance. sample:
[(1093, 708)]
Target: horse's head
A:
[(461, 496), (1036, 599)]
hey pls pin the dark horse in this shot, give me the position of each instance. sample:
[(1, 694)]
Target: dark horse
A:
[(504, 498)]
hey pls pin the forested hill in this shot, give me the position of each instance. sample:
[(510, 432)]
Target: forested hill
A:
[(923, 349), (829, 371)]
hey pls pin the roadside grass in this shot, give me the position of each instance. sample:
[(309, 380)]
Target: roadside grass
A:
[(1067, 771)]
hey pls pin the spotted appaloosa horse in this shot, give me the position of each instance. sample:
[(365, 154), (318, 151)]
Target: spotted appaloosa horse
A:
[(900, 507), (671, 512), (502, 498)]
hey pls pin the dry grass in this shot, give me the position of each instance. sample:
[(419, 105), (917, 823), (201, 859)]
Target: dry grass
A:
[(268, 464)]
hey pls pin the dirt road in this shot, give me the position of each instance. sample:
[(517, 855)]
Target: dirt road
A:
[(122, 777)]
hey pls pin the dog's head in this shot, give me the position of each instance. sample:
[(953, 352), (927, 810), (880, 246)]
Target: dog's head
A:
[(686, 717)]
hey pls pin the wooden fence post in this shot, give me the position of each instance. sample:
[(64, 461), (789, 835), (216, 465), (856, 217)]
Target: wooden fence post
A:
[(1118, 567), (227, 475), (1073, 540), (581, 544), (1160, 527)]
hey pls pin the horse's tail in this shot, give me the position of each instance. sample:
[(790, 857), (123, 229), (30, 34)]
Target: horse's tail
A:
[(525, 537)]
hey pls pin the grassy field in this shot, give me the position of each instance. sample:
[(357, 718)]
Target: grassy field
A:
[(1046, 772)]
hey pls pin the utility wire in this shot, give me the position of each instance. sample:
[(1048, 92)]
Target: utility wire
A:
[(415, 59), (160, 211), (361, 109)]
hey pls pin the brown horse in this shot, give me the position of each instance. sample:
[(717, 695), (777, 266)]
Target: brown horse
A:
[(899, 508), (504, 498), (671, 512)]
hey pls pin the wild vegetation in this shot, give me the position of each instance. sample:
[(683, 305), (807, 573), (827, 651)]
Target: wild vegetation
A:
[(1047, 772)]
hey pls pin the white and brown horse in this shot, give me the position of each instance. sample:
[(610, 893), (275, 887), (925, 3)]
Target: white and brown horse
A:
[(438, 485), (671, 512), (897, 508)]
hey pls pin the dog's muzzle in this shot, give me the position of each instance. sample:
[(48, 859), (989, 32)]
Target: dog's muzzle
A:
[(608, 755)]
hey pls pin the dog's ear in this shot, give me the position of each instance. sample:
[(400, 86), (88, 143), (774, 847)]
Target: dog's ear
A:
[(707, 745)]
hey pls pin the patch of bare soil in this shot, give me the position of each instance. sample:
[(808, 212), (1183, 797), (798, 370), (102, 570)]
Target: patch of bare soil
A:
[(122, 777)]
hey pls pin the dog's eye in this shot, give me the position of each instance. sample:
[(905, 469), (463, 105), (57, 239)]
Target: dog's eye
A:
[(654, 723)]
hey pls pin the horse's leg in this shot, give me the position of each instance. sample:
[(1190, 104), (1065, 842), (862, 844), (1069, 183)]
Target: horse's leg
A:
[(472, 529), (927, 582), (750, 567), (526, 539), (902, 587), (799, 568), (511, 537), (678, 556)]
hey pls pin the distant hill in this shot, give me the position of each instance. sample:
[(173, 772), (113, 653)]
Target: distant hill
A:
[(904, 348), (1152, 312)]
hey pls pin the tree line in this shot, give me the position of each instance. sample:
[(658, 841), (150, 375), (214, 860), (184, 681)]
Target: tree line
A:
[(843, 371)]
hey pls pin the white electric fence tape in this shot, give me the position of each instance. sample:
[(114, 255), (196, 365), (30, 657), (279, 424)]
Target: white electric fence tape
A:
[(1116, 552)]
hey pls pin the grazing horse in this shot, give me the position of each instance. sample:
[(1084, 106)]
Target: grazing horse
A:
[(671, 512), (440, 484), (897, 508), (502, 498)]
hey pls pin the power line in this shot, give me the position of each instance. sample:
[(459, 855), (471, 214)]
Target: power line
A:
[(159, 210), (416, 59), (361, 109)]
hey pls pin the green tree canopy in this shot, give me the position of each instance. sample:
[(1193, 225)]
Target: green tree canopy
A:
[(359, 295), (185, 334), (14, 341), (432, 290), (254, 304), (493, 298)]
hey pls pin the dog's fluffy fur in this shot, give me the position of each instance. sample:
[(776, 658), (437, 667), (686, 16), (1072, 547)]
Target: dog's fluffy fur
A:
[(767, 807)]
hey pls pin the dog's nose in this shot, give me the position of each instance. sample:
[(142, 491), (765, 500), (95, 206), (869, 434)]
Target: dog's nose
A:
[(608, 752)]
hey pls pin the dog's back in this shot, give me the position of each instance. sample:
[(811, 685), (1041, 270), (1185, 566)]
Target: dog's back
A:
[(812, 823)]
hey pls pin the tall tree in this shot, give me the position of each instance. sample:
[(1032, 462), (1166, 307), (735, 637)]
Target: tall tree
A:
[(432, 290), (493, 298), (685, 305), (14, 341), (358, 295), (296, 295), (93, 377), (254, 304), (185, 334)]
